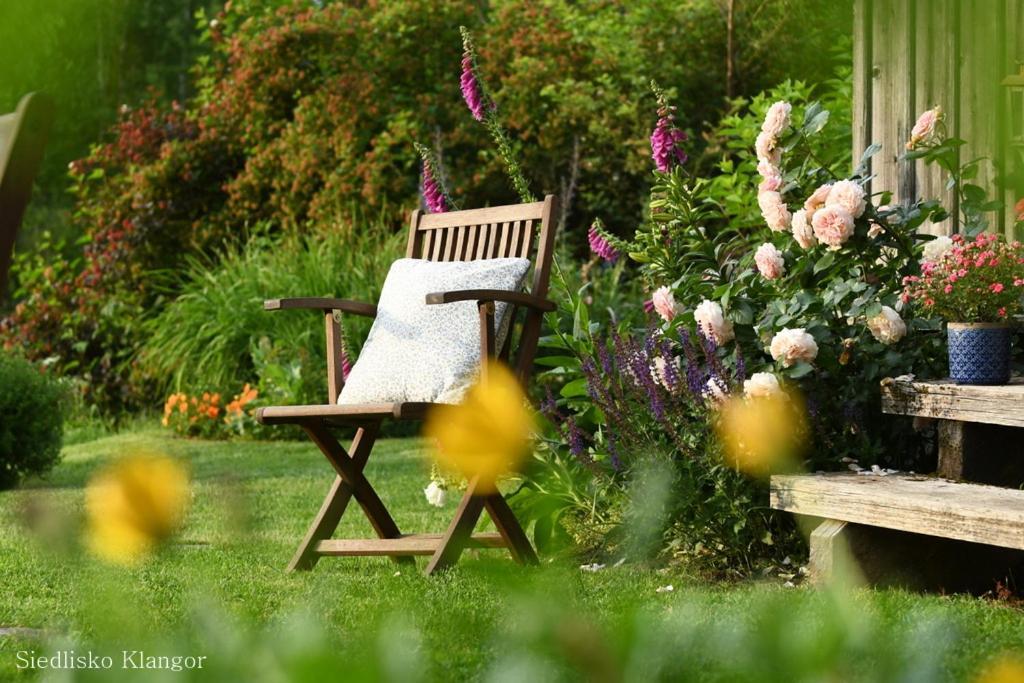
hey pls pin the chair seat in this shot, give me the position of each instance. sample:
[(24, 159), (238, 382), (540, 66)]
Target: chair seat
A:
[(342, 414)]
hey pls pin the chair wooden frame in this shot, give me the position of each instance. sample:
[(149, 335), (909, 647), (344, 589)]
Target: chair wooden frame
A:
[(23, 135), (524, 230)]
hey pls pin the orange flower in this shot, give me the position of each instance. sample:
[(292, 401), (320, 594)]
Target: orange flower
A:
[(213, 412)]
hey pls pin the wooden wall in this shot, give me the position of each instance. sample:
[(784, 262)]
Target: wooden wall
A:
[(910, 55)]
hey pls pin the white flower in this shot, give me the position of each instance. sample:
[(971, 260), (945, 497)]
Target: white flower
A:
[(660, 371), (937, 248), (591, 568), (793, 345), (436, 494), (716, 391), (776, 120), (803, 233), (664, 589), (887, 327), (849, 196), (762, 385), (712, 322), (769, 261)]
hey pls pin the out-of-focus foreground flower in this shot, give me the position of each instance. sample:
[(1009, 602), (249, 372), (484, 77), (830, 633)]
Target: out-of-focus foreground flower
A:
[(1007, 669), (764, 433), (488, 434), (133, 505)]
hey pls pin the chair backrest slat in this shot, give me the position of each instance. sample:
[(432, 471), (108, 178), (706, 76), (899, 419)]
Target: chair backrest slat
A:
[(516, 230), (23, 136)]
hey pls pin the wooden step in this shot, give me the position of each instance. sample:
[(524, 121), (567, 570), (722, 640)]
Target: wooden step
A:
[(408, 544), (916, 504), (946, 400)]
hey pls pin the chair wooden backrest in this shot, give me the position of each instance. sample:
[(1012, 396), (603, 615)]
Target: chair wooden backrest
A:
[(23, 135), (516, 230)]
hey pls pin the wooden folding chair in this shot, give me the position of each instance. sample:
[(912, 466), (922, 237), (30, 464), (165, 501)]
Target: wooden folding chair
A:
[(23, 135), (523, 230)]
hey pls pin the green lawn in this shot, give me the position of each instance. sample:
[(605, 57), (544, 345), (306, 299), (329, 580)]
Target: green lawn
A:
[(222, 591)]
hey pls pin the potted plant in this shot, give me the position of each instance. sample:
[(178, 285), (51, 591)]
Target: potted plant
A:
[(976, 286)]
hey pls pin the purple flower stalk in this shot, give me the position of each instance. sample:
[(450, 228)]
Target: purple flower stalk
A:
[(666, 141), (649, 306), (433, 196), (471, 91), (600, 245)]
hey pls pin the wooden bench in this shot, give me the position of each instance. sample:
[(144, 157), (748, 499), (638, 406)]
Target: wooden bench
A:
[(926, 531)]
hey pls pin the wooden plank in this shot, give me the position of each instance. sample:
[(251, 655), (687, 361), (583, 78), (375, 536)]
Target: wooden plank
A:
[(506, 237), (486, 231), (892, 115), (517, 235), (942, 399), (920, 505), (934, 82), (862, 78), (526, 245), (428, 244), (493, 214), (980, 92), (1013, 54), (471, 236), (450, 236), (460, 243), (410, 544), (438, 246)]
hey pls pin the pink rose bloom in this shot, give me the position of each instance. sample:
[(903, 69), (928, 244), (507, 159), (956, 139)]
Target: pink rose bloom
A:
[(793, 345), (762, 385), (832, 225), (776, 120), (924, 129), (767, 150), (887, 327), (712, 322), (771, 177), (817, 199), (803, 233), (848, 195), (665, 303), (774, 211), (769, 261)]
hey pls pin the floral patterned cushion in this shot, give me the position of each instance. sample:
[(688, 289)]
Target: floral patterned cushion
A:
[(429, 353)]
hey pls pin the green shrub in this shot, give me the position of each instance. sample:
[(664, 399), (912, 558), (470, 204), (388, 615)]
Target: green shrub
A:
[(32, 406), (215, 335)]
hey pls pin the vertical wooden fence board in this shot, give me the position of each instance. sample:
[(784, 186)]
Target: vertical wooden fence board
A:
[(862, 80), (1013, 162), (892, 94), (934, 71)]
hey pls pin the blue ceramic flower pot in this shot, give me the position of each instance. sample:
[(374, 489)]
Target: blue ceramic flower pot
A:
[(979, 353)]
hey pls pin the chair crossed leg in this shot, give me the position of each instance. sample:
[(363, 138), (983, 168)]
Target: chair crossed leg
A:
[(444, 549)]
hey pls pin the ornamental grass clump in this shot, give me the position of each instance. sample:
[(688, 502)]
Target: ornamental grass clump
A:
[(971, 281)]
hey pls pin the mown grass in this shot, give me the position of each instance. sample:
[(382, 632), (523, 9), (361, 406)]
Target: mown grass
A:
[(252, 501)]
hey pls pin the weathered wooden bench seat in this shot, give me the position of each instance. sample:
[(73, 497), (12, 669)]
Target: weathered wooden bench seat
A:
[(857, 510)]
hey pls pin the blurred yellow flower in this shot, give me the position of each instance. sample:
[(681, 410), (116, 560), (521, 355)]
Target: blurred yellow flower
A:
[(133, 505), (1007, 669), (762, 434), (488, 434)]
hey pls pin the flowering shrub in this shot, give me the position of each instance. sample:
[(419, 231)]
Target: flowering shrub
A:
[(193, 415), (969, 281)]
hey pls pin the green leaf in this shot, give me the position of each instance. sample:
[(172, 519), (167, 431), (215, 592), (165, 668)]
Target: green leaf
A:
[(575, 388), (800, 369), (825, 262)]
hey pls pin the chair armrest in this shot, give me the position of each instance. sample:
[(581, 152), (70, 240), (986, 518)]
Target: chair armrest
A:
[(322, 304), (482, 295)]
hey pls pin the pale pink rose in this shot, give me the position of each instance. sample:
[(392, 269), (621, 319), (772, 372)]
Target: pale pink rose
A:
[(665, 303), (936, 249), (832, 225), (848, 195), (817, 199), (776, 119), (875, 230), (769, 261), (793, 345), (716, 391), (762, 385), (887, 327), (774, 211), (767, 149), (771, 177), (924, 128), (712, 322), (803, 233)]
